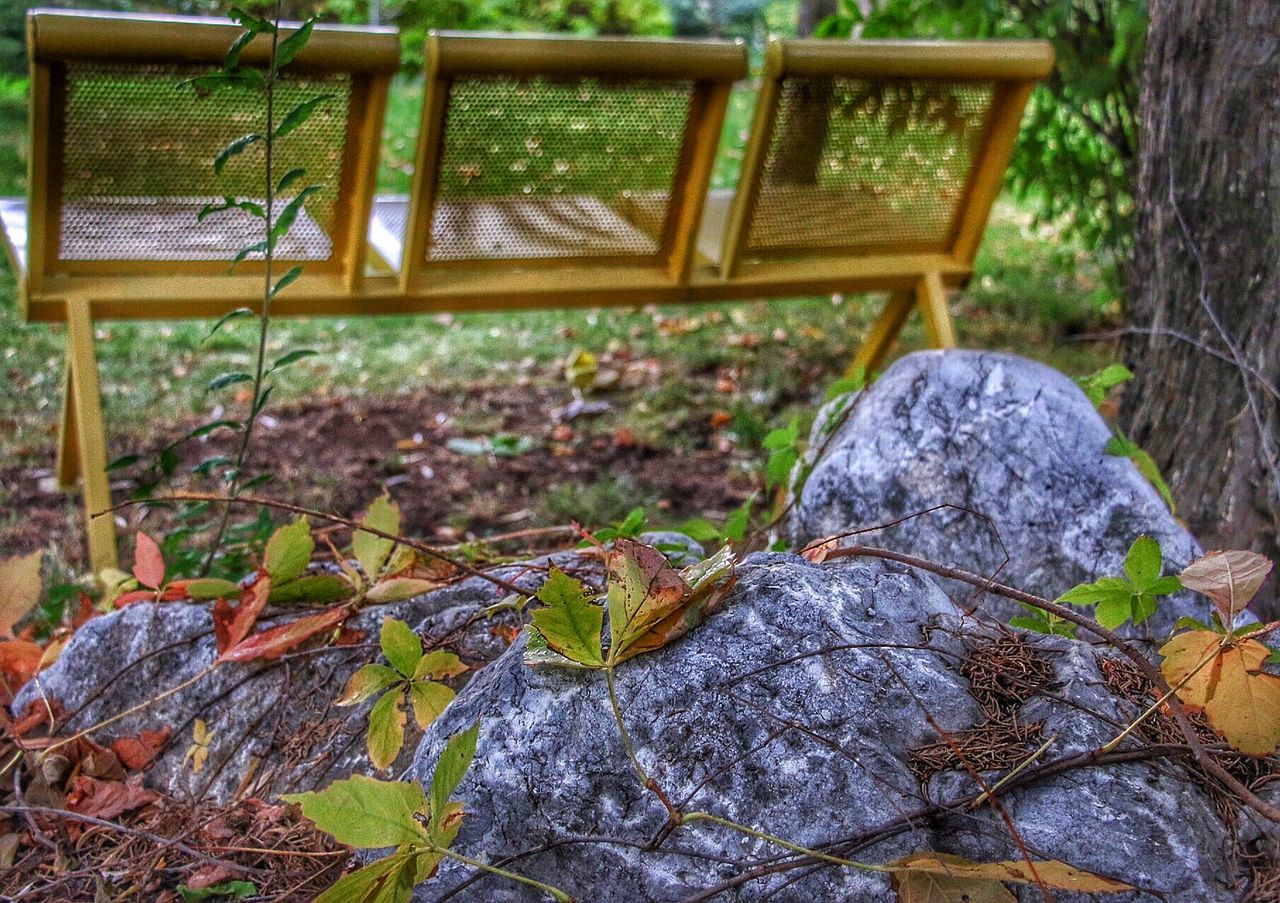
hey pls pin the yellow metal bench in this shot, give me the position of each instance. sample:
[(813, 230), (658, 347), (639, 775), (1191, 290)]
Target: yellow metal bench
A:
[(550, 172)]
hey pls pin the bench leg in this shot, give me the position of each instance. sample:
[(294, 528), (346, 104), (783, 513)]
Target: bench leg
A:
[(931, 297), (85, 438), (68, 466), (883, 331)]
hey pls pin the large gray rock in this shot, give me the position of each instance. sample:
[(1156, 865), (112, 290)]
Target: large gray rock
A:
[(796, 710), (1002, 436)]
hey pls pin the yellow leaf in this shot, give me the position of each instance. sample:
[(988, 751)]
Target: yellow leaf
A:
[(1241, 701), (928, 887), (1049, 873), (19, 589), (198, 752)]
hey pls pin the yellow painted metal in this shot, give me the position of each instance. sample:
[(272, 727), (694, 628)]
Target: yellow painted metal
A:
[(90, 436), (57, 36), (880, 338), (931, 298), (693, 182), (518, 56), (67, 466), (950, 60)]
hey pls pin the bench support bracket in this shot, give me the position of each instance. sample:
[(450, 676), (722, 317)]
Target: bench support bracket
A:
[(82, 441), (930, 296)]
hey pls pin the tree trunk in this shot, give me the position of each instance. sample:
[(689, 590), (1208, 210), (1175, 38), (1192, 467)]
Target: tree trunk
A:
[(1208, 248), (808, 101), (811, 14)]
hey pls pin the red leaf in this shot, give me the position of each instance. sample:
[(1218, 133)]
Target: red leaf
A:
[(84, 611), (231, 625), (136, 753), (176, 591), (19, 661), (277, 641), (108, 799), (138, 595), (148, 563)]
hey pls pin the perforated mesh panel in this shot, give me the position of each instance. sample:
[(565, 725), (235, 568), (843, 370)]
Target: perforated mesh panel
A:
[(138, 156), (541, 169), (859, 164)]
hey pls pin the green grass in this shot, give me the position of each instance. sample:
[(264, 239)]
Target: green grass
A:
[(1029, 290)]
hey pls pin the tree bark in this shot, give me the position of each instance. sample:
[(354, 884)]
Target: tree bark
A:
[(1208, 248)]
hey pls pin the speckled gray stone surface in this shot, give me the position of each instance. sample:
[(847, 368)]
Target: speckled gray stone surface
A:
[(793, 710), (997, 434)]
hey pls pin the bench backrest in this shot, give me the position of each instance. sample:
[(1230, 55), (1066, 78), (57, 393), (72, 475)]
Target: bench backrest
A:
[(867, 148), (122, 151), (538, 151)]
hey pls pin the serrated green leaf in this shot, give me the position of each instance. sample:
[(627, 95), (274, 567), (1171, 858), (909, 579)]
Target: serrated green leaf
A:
[(428, 699), (451, 768), (387, 722), (389, 880), (289, 551), (401, 646), (1187, 622), (1097, 385), (317, 588), (1165, 586), (209, 588), (537, 654), (735, 526), (777, 471), (227, 890), (438, 664), (1143, 562), (364, 812), (571, 623), (367, 681), (298, 116), (1113, 611), (234, 149), (291, 46), (370, 550)]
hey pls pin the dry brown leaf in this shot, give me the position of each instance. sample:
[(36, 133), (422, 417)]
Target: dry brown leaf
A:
[(1230, 578), (136, 753), (946, 870), (108, 799), (19, 589)]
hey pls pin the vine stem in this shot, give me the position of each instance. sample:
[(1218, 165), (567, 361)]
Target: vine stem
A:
[(626, 737), (127, 712), (1149, 671), (549, 889), (264, 320), (229, 500)]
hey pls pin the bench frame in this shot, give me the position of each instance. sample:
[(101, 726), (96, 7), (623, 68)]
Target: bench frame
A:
[(357, 285)]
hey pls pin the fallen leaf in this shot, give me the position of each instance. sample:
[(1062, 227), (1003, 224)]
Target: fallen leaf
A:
[(817, 552), (1230, 579), (951, 877), (1240, 699), (643, 588), (20, 589), (136, 753), (108, 799), (19, 662), (198, 752)]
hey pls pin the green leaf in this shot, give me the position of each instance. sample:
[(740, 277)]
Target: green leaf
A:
[(437, 665), (209, 588), (367, 681), (1143, 562), (292, 357), (245, 253), (364, 812), (780, 439), (699, 529), (289, 551), (777, 470), (847, 385), (285, 281), (397, 589), (122, 462), (1143, 606), (451, 768), (293, 44), (1113, 611), (401, 646), (429, 699), (285, 220), (288, 179), (387, 721), (230, 203), (231, 62), (228, 379), (316, 588), (1097, 385), (250, 22), (1165, 586), (227, 318), (217, 81), (234, 890), (735, 526), (1186, 622), (234, 149), (537, 654), (370, 550), (571, 623), (300, 114), (212, 427), (389, 880)]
